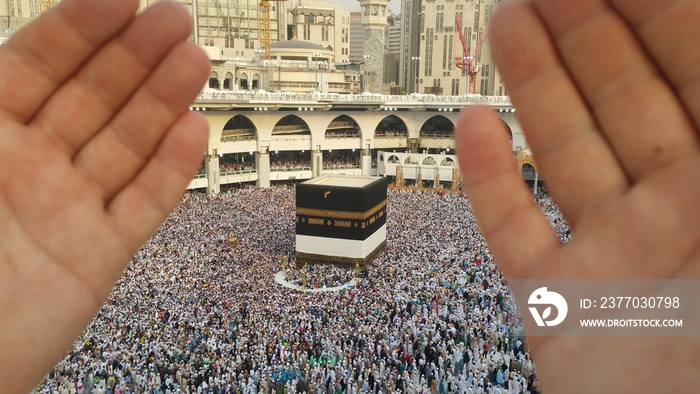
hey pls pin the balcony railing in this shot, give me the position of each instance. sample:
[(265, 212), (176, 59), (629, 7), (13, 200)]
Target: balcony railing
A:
[(390, 134), (244, 96), (342, 135), (437, 135), (290, 169)]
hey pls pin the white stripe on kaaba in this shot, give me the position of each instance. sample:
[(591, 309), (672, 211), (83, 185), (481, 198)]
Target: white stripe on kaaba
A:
[(341, 247)]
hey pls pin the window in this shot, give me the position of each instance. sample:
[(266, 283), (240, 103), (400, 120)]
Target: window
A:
[(449, 56), (444, 53), (429, 45), (481, 34), (468, 37)]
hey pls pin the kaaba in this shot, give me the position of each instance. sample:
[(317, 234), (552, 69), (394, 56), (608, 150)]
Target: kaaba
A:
[(340, 220)]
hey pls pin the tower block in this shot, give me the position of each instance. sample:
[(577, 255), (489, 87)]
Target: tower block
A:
[(340, 220), (374, 13)]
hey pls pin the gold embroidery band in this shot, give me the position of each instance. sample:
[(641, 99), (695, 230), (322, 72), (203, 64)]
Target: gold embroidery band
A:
[(343, 223), (341, 214), (316, 221)]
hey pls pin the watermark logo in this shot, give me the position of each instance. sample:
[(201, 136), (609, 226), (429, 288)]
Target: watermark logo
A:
[(543, 297)]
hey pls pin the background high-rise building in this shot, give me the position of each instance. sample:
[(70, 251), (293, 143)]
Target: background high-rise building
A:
[(392, 51), (410, 44), (431, 44), (322, 23), (231, 28), (357, 37), (17, 13), (419, 51)]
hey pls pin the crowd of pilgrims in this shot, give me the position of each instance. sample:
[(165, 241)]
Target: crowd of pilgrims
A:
[(432, 314)]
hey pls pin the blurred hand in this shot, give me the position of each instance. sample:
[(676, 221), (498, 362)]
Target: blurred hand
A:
[(97, 147), (608, 95)]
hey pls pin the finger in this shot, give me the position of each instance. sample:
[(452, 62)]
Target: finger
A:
[(516, 230), (670, 31), (630, 98), (573, 157), (130, 138), (37, 59), (144, 203), (88, 100)]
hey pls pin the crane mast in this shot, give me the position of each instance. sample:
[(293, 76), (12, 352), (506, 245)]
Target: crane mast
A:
[(467, 62), (264, 25)]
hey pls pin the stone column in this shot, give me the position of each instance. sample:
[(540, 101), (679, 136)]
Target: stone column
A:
[(366, 162), (316, 162), (419, 177), (262, 164), (534, 185), (211, 168), (455, 179)]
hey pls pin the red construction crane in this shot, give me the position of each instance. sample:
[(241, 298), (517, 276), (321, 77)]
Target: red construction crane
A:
[(467, 62)]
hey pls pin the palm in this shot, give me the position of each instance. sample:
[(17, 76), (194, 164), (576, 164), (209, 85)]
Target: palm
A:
[(97, 147), (609, 99)]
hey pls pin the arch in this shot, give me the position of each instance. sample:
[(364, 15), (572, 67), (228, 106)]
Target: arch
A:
[(428, 161), (527, 169), (437, 126), (510, 132), (411, 160), (381, 157), (214, 80), (228, 81), (291, 125), (391, 127), (243, 80), (255, 81), (343, 127), (393, 159), (525, 157), (447, 162), (239, 128)]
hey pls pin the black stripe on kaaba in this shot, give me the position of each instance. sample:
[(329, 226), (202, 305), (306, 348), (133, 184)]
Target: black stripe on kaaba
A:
[(327, 213), (328, 230), (341, 198)]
